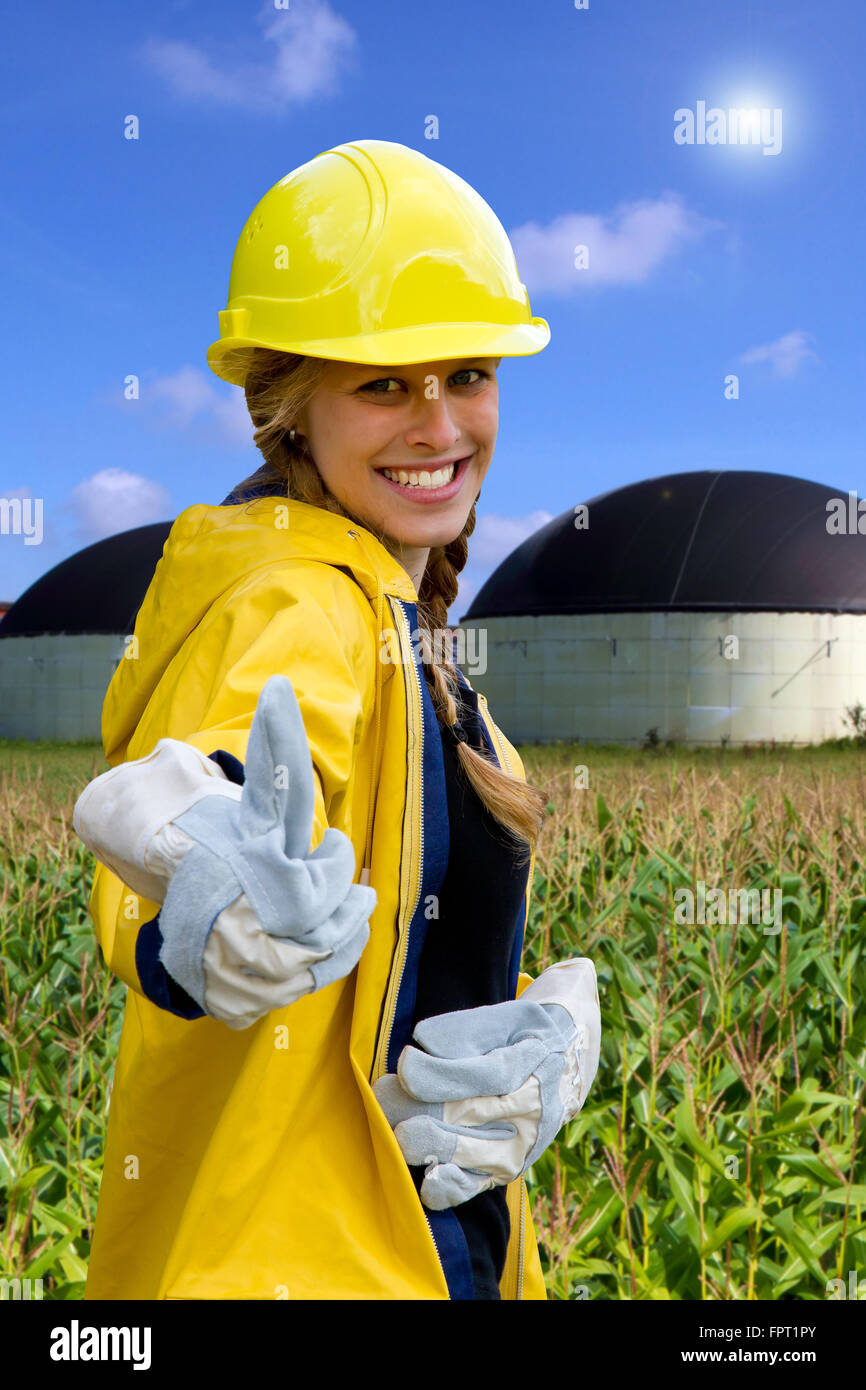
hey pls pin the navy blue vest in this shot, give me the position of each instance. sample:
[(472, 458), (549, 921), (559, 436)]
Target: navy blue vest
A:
[(466, 959)]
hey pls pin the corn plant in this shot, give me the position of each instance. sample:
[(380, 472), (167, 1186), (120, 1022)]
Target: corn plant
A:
[(719, 1154)]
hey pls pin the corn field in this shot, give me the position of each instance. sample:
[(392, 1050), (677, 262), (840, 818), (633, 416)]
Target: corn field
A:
[(717, 1156)]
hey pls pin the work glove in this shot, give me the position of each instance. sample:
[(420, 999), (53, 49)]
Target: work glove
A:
[(488, 1089), (250, 920), (126, 816)]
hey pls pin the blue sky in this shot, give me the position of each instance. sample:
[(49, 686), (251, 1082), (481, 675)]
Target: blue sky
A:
[(705, 259)]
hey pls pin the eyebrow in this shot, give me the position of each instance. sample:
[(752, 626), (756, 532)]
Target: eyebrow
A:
[(363, 368)]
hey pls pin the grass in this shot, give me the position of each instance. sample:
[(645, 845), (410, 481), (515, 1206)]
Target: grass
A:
[(719, 1155)]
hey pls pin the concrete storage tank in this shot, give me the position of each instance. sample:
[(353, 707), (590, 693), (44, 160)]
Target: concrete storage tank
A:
[(62, 639), (706, 605)]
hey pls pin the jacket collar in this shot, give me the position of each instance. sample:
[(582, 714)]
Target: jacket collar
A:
[(210, 549), (326, 536)]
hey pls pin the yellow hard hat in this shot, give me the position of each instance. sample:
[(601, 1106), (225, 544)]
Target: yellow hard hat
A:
[(373, 252)]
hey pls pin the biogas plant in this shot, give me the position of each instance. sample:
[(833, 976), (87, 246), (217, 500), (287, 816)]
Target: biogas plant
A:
[(708, 607)]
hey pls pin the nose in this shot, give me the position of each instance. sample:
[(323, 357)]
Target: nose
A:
[(433, 424)]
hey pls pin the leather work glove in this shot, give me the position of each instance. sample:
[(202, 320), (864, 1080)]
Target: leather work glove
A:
[(126, 816), (250, 919), (493, 1086)]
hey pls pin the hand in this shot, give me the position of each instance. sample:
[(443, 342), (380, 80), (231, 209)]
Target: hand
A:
[(493, 1086), (248, 972), (239, 867), (126, 816)]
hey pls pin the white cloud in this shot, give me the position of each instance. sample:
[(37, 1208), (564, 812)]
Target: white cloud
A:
[(311, 44), (467, 588), (495, 537), (624, 247), (114, 500), (188, 398), (186, 393), (786, 355)]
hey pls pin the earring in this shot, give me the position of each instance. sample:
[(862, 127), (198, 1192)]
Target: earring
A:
[(292, 435)]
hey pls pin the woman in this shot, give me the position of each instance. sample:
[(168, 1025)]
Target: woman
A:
[(327, 1086)]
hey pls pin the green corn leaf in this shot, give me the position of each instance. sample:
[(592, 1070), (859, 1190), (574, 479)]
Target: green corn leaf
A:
[(731, 1226), (686, 1128)]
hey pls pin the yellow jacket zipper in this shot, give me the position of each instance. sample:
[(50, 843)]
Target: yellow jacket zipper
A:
[(416, 847)]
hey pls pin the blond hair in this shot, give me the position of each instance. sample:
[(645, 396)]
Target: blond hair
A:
[(277, 386)]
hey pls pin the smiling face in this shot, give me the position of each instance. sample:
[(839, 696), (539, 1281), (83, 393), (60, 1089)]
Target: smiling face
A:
[(432, 426)]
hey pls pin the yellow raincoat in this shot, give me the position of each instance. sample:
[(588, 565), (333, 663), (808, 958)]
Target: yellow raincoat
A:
[(257, 1163)]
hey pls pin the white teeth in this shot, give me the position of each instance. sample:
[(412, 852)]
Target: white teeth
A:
[(422, 479)]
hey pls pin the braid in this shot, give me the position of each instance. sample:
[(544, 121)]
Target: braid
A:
[(436, 595), (518, 806), (278, 385)]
